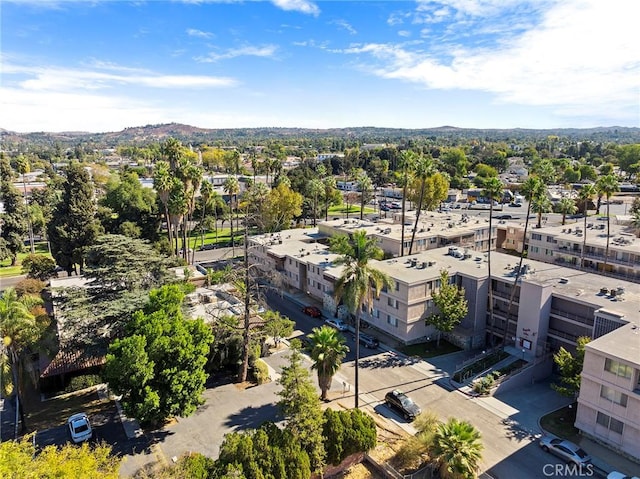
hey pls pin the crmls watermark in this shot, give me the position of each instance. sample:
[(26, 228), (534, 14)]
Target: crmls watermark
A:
[(568, 470)]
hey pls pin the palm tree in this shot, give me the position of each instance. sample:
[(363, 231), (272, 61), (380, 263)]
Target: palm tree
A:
[(365, 185), (327, 352), (541, 204), (359, 280), (492, 189), (457, 449), (232, 187), (587, 192), (635, 222), (607, 186), (316, 188), (23, 169), (162, 183), (191, 176), (19, 330), (408, 159), (206, 195), (566, 206), (424, 168)]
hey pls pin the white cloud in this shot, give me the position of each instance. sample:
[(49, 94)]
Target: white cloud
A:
[(346, 25), (194, 32), (582, 56), (302, 6), (265, 51)]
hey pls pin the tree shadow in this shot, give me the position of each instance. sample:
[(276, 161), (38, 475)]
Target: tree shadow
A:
[(388, 360), (253, 417)]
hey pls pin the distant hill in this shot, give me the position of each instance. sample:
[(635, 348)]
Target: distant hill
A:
[(193, 135)]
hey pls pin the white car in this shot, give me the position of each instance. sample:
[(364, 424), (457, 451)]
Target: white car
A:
[(79, 428), (619, 475), (338, 324)]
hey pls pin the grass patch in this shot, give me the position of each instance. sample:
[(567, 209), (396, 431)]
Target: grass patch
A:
[(430, 349), (511, 367), (478, 366), (6, 270), (560, 423)]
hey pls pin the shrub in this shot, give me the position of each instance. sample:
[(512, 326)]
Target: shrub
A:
[(484, 384), (39, 266), (261, 371), (30, 286), (81, 382)]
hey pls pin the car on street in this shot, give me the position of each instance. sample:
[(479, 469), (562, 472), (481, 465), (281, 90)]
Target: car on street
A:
[(312, 311), (515, 205), (79, 428), (619, 475), (564, 449), (337, 323), (399, 401), (503, 217), (369, 341)]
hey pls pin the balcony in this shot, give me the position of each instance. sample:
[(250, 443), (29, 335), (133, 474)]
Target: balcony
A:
[(573, 317), (561, 335)]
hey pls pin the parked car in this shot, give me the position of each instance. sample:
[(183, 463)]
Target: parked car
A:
[(368, 341), (79, 428), (515, 205), (398, 400), (564, 449), (503, 217), (312, 311), (619, 475), (337, 323)]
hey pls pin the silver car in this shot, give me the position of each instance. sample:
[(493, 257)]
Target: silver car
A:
[(566, 450)]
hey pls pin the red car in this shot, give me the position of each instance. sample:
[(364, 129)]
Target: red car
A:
[(312, 311)]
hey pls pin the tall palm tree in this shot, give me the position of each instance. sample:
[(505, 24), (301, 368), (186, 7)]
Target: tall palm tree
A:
[(19, 329), (231, 186), (607, 186), (365, 185), (566, 206), (191, 176), (23, 169), (424, 168), (586, 194), (206, 195), (492, 189), (532, 188), (316, 189), (541, 204), (162, 183), (457, 449), (328, 350), (408, 160), (359, 281)]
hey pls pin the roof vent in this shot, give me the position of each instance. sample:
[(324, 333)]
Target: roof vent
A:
[(564, 280)]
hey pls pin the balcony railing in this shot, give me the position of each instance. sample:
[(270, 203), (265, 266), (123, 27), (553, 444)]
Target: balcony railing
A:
[(573, 317), (562, 335)]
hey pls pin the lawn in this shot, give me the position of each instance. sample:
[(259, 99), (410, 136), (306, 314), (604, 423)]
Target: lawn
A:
[(560, 423), (429, 349), (6, 270)]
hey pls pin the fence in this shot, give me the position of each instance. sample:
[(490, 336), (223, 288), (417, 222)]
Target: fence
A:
[(389, 472)]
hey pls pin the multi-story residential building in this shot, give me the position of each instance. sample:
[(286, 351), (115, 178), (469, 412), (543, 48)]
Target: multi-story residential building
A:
[(609, 400)]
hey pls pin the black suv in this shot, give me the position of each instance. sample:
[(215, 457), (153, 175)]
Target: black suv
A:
[(401, 402), (369, 341)]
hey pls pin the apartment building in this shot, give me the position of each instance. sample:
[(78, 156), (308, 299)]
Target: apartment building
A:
[(609, 400)]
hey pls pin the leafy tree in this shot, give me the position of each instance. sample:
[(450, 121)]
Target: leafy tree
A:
[(566, 206), (18, 459), (424, 169), (629, 158), (277, 326), (73, 227), (586, 194), (451, 303), (327, 351), (457, 449), (283, 204), (570, 368), (492, 188), (365, 186), (39, 266), (14, 226), (607, 186), (359, 280), (300, 406), (316, 190), (346, 433), (162, 183), (158, 367)]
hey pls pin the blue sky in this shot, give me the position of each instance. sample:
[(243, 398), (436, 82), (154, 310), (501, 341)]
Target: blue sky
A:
[(106, 65)]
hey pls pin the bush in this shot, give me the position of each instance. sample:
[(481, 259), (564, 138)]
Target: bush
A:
[(39, 266), (30, 286), (483, 385), (261, 372), (81, 382)]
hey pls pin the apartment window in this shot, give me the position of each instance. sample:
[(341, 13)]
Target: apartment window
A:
[(617, 368), (392, 321), (397, 285), (614, 396), (534, 249), (536, 236), (610, 423), (392, 302), (550, 239)]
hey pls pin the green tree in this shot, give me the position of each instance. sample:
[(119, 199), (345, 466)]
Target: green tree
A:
[(282, 205), (346, 433), (424, 169), (566, 206), (73, 227), (316, 190), (300, 406), (408, 160), (232, 188), (457, 449), (451, 303), (607, 186), (158, 367), (492, 189), (327, 351), (39, 266), (365, 186), (541, 204), (570, 368), (162, 183), (359, 281), (629, 158), (586, 194), (24, 167), (18, 459), (277, 326), (14, 227)]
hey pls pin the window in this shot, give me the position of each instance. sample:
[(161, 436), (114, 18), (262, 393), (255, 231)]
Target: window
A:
[(392, 321), (550, 239), (617, 368), (614, 396), (397, 285), (610, 423), (534, 249), (536, 236), (392, 302)]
